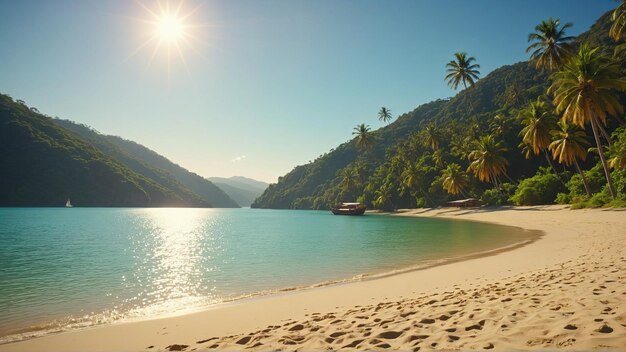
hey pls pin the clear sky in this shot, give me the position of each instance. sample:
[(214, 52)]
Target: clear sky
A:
[(259, 86)]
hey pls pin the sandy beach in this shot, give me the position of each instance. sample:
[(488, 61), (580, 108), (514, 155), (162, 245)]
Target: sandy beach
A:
[(565, 290)]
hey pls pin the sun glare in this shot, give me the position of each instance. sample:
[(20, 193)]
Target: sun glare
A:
[(169, 30)]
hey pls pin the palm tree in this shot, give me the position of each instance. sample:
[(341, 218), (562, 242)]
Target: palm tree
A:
[(500, 125), (364, 138), (585, 90), (432, 136), (454, 180), (551, 47), (462, 70), (383, 197), (439, 157), (487, 162), (384, 115), (569, 145), (350, 178), (538, 121), (619, 21)]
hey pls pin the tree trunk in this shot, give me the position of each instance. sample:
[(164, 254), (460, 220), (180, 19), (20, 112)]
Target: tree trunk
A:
[(510, 179), (607, 173), (604, 133), (545, 152), (432, 204), (582, 175)]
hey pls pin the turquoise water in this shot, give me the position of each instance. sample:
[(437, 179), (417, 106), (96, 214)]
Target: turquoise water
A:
[(63, 268)]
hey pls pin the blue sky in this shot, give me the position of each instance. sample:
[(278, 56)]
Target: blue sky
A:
[(263, 85)]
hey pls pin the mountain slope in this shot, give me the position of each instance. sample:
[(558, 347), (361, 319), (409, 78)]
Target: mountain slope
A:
[(503, 91), (151, 165), (314, 179), (241, 189), (43, 164)]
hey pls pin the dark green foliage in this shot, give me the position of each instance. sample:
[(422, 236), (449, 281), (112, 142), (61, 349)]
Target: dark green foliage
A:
[(498, 196), (44, 164), (595, 178), (539, 189), (601, 195), (153, 166)]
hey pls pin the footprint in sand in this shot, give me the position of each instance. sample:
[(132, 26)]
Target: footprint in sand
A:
[(389, 335), (296, 327), (244, 340), (337, 334), (474, 327)]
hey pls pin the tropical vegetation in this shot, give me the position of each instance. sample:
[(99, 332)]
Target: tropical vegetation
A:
[(566, 104)]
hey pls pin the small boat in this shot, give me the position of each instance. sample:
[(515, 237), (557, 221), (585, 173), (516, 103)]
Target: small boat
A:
[(68, 204), (348, 209)]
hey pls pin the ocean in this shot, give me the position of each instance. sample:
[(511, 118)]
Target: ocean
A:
[(68, 268)]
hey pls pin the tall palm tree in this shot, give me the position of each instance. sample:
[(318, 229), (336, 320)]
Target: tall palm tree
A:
[(585, 90), (432, 135), (487, 162), (538, 121), (462, 69), (364, 138), (550, 45), (569, 145), (384, 115), (619, 22), (454, 180)]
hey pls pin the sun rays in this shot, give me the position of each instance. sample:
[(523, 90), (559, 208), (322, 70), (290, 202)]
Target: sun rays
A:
[(170, 31)]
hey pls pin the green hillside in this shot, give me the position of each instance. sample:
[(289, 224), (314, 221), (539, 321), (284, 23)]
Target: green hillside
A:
[(151, 165), (43, 165), (411, 156)]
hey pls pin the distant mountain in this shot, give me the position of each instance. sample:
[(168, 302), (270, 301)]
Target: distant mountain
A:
[(151, 165), (44, 164), (243, 190)]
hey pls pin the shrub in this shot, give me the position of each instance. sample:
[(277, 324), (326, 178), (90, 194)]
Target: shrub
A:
[(563, 198), (495, 196), (539, 189)]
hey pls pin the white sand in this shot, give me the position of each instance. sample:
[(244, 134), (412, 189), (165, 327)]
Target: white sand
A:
[(566, 290)]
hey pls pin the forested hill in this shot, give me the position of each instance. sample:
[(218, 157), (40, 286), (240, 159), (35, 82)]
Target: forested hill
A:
[(44, 164), (152, 165), (491, 106)]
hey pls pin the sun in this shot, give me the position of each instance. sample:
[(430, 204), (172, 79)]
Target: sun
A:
[(169, 31), (169, 28)]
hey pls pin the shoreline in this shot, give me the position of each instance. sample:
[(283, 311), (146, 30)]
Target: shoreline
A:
[(57, 327), (564, 242)]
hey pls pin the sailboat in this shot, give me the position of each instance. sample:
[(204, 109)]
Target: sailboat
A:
[(68, 204)]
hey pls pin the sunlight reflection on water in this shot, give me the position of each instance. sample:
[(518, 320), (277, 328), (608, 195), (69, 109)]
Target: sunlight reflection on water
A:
[(85, 266)]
